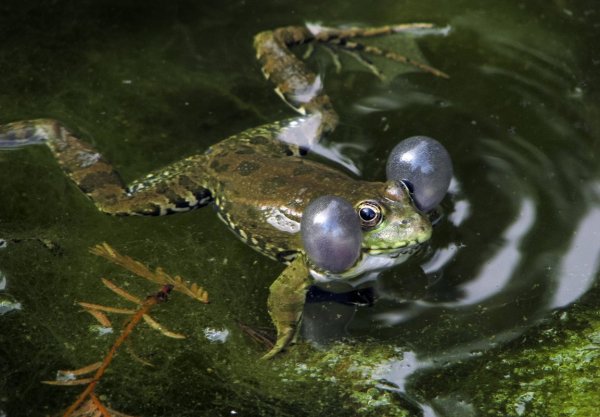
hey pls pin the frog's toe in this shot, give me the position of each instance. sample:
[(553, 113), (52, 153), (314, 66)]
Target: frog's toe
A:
[(270, 354), (283, 340)]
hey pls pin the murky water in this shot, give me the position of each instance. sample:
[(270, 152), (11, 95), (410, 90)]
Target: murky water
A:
[(520, 236)]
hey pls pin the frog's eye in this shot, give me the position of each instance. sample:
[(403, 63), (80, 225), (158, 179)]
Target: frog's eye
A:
[(425, 167), (331, 233), (369, 213)]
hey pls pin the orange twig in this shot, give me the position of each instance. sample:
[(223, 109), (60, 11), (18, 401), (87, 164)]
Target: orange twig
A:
[(69, 382), (99, 307), (100, 317), (158, 276), (99, 406), (135, 319), (120, 291), (82, 371)]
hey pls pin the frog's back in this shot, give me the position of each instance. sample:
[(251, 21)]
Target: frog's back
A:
[(261, 192)]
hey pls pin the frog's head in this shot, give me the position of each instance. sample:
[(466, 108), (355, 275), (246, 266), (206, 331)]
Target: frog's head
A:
[(381, 221), (388, 219), (390, 222)]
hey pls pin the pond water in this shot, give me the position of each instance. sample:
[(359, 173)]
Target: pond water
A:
[(148, 85)]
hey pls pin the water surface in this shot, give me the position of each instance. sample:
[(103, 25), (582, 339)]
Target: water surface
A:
[(151, 84)]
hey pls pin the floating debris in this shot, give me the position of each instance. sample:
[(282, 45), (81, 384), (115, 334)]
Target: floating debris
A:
[(102, 330), (7, 306), (215, 335), (7, 302)]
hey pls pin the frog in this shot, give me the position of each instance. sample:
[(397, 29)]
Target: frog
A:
[(260, 181)]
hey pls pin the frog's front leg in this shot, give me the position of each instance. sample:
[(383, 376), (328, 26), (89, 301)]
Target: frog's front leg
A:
[(173, 189), (286, 302)]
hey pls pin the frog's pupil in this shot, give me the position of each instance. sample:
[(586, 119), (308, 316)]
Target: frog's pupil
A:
[(367, 213)]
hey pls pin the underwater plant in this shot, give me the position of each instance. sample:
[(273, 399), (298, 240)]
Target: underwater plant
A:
[(87, 404)]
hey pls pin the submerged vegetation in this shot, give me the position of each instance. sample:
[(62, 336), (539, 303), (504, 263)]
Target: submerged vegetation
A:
[(88, 403)]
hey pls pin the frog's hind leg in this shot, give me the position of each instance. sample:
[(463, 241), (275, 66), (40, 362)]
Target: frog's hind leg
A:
[(300, 87), (156, 194), (294, 82)]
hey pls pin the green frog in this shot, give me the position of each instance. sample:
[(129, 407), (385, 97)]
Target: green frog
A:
[(260, 180)]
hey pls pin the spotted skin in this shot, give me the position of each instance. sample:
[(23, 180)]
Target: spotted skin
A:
[(258, 180)]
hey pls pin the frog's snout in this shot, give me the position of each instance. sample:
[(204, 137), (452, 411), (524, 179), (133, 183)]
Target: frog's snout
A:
[(417, 225)]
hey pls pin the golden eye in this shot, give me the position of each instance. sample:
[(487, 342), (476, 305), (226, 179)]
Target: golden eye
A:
[(369, 213)]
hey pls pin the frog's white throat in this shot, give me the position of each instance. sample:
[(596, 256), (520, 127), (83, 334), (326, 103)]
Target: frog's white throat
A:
[(368, 268)]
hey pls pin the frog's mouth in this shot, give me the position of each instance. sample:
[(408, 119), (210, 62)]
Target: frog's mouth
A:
[(371, 259), (401, 248)]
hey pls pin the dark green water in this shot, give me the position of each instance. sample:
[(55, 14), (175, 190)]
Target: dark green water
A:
[(151, 83)]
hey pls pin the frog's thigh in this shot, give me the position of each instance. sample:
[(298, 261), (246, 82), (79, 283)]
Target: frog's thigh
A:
[(295, 83), (286, 302)]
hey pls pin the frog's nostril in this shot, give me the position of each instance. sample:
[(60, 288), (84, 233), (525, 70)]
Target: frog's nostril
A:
[(405, 222)]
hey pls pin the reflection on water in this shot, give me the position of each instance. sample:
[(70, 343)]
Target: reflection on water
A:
[(578, 268), (500, 267)]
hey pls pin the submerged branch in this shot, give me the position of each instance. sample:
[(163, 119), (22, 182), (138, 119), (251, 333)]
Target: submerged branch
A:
[(159, 276), (88, 393)]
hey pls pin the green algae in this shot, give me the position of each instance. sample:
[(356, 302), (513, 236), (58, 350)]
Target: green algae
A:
[(352, 367), (551, 370)]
